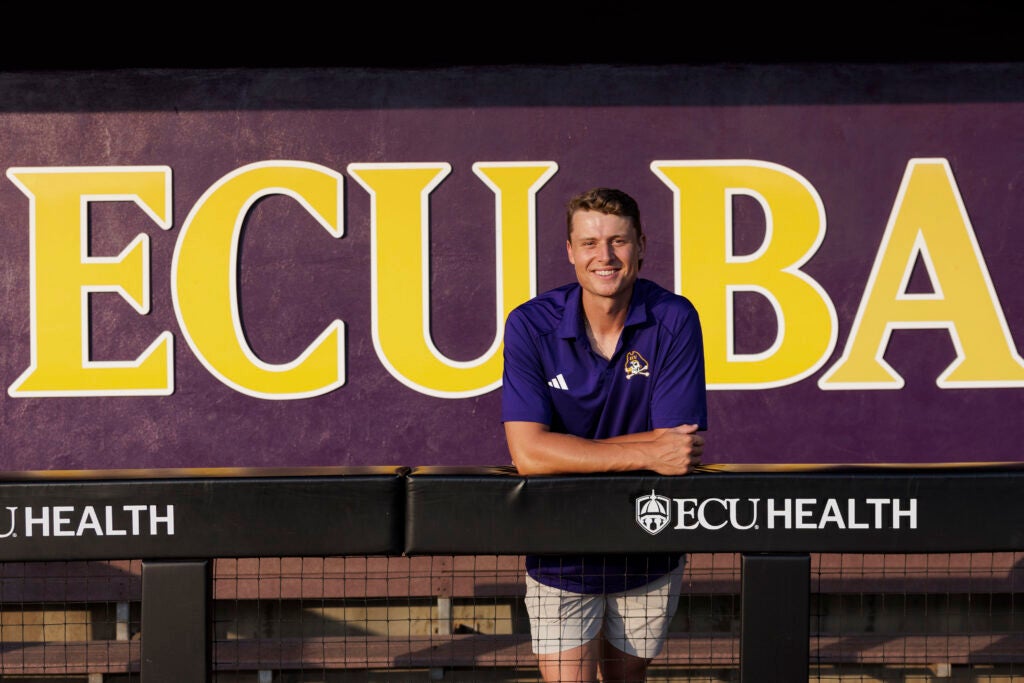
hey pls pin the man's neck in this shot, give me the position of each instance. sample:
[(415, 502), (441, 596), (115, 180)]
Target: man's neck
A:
[(604, 320)]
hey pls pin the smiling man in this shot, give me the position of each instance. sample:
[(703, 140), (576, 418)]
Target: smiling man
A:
[(603, 375)]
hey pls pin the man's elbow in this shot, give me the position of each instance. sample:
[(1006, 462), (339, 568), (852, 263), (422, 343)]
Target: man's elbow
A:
[(530, 460), (523, 439), (523, 460)]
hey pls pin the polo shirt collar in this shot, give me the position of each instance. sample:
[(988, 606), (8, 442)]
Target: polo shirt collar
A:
[(571, 324)]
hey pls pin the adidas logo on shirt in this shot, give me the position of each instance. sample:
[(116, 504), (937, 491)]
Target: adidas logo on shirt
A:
[(558, 382)]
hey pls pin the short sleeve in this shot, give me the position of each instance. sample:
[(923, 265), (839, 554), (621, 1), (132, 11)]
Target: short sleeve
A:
[(524, 393), (680, 392)]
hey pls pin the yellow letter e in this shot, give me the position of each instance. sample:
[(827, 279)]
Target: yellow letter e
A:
[(63, 274)]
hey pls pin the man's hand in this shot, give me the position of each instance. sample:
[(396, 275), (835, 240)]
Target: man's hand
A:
[(677, 450)]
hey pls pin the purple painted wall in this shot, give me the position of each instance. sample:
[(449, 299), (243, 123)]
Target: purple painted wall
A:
[(849, 131)]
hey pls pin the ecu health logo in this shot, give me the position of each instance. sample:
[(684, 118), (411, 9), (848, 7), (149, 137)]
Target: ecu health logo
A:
[(653, 512)]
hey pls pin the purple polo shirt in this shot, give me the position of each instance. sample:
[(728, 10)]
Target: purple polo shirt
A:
[(655, 379)]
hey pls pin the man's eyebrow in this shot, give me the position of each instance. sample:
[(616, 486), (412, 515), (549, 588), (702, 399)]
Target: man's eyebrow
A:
[(598, 237)]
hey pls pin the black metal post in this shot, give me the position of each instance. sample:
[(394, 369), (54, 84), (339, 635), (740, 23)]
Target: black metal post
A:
[(176, 604), (775, 616)]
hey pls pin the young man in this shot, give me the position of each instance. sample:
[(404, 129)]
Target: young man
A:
[(603, 375)]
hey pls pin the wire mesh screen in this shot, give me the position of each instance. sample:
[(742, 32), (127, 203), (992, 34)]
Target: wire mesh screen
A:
[(918, 617), (373, 617), (873, 618), (439, 617), (70, 621), (461, 618)]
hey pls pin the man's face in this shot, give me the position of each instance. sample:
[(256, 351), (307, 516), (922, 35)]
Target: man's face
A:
[(606, 253)]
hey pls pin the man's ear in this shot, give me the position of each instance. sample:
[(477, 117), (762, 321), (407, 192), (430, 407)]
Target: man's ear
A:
[(568, 251)]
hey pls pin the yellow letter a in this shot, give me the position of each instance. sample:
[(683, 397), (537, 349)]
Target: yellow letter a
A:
[(929, 222)]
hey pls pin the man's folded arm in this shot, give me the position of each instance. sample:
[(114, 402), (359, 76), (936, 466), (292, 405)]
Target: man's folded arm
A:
[(535, 449)]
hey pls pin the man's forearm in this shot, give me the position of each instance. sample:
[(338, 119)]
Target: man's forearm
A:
[(552, 453), (537, 450)]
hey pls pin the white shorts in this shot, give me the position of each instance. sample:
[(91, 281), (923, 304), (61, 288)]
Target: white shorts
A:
[(635, 621)]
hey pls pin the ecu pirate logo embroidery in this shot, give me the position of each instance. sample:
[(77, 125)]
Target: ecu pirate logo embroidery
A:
[(636, 365)]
